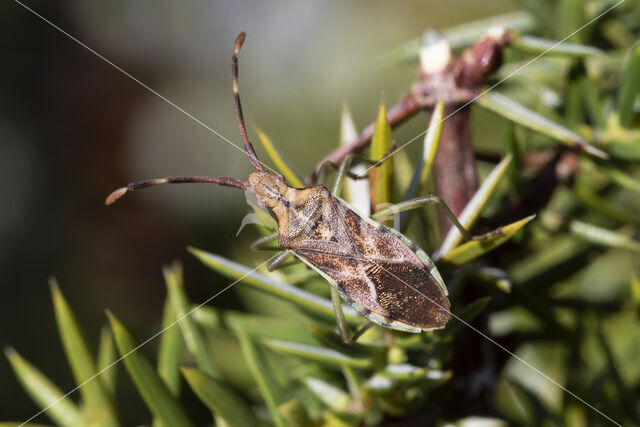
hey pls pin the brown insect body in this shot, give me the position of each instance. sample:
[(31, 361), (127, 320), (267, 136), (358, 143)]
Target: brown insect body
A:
[(377, 270)]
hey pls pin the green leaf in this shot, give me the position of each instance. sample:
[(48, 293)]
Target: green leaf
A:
[(306, 300), (475, 248), (475, 421), (330, 339), (95, 396), (615, 173), (511, 147), (558, 251), (262, 375), (593, 201), (431, 142), (293, 177), (429, 150), (520, 114), (570, 16), (574, 111), (107, 359), (627, 396), (44, 392), (170, 350), (207, 317), (629, 90), (464, 35), (193, 336), (465, 315), (379, 384), (405, 372), (635, 291), (381, 176), (262, 214), (318, 354), (353, 382), (295, 413), (619, 141), (220, 399), (348, 131), (602, 236), (268, 327), (472, 210), (332, 419), (494, 277), (153, 390), (537, 45), (548, 358), (331, 395), (592, 102), (356, 192), (10, 424), (513, 401)]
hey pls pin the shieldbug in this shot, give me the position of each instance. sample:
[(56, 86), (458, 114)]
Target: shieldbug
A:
[(374, 268)]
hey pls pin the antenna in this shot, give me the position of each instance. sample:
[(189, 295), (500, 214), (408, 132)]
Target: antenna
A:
[(228, 182), (248, 148)]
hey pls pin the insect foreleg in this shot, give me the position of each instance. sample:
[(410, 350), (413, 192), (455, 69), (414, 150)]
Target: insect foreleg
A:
[(263, 242), (419, 202), (343, 170), (280, 261), (362, 159), (327, 165), (349, 158)]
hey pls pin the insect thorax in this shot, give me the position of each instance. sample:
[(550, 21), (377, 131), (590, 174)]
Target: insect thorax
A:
[(300, 215)]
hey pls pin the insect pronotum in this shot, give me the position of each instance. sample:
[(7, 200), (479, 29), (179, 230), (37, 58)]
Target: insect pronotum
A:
[(374, 268)]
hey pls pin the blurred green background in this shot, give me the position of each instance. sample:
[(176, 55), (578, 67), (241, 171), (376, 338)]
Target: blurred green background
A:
[(73, 128)]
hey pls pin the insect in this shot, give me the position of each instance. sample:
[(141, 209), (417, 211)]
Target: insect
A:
[(374, 268)]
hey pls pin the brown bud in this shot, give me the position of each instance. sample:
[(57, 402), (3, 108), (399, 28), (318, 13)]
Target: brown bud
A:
[(481, 59)]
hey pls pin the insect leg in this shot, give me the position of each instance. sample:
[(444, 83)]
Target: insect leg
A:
[(404, 109), (280, 260), (263, 242), (343, 170), (327, 165), (361, 330), (372, 162), (343, 328), (497, 277), (419, 202)]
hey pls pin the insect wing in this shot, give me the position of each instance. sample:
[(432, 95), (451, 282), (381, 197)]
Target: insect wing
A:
[(377, 270)]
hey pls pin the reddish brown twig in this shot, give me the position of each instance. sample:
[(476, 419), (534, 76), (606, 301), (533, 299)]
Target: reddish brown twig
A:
[(404, 109), (457, 81)]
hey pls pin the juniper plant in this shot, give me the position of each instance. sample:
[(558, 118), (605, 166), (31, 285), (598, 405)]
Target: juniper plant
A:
[(560, 291)]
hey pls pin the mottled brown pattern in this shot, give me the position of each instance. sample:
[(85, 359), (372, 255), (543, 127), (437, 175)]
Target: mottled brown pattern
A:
[(370, 265)]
